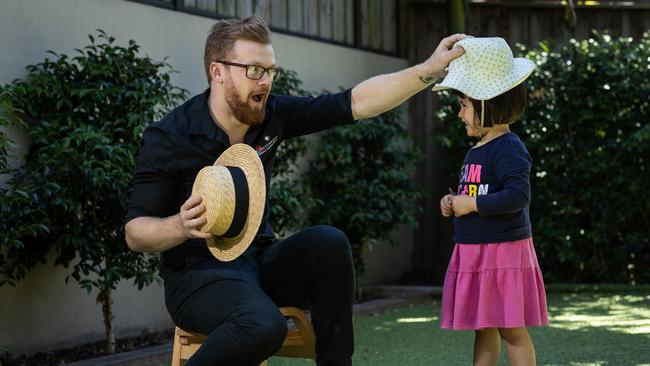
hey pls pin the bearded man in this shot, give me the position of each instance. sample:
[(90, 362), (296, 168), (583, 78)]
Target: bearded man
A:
[(236, 302)]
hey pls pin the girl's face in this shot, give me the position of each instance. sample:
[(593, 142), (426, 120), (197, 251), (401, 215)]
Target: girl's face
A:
[(467, 115)]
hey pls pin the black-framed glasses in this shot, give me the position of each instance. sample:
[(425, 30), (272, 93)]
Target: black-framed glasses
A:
[(256, 72)]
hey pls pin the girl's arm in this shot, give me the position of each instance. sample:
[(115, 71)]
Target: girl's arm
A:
[(512, 166)]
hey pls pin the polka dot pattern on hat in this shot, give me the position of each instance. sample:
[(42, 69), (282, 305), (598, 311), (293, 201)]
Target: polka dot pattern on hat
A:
[(486, 69)]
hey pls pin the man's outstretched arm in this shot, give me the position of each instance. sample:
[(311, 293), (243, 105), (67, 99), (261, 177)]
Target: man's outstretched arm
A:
[(385, 92), (154, 234)]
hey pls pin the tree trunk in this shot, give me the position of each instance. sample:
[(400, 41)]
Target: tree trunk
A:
[(457, 15), (359, 269), (106, 300), (570, 17)]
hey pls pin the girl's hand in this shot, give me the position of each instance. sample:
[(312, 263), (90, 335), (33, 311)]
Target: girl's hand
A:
[(463, 205), (446, 206)]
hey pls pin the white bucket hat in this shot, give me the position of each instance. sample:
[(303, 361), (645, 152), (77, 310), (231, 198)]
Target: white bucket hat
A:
[(486, 69)]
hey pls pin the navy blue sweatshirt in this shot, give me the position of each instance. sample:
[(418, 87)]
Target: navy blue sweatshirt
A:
[(498, 174)]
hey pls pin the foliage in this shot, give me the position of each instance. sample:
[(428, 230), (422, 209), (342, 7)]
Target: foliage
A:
[(85, 114), (8, 118), (23, 224), (362, 176), (587, 128), (289, 200)]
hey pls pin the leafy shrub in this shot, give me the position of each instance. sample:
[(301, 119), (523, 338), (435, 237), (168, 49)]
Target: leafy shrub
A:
[(289, 199), (85, 114), (362, 177)]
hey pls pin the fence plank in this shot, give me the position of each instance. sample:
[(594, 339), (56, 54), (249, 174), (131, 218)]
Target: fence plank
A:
[(310, 17), (374, 12), (338, 20), (279, 14), (207, 5), (295, 16), (388, 26), (349, 21), (365, 23), (325, 18), (227, 8), (263, 9), (244, 8)]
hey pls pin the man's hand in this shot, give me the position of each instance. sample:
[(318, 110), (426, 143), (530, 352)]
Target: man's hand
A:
[(156, 234), (437, 63), (190, 214), (446, 206), (463, 205)]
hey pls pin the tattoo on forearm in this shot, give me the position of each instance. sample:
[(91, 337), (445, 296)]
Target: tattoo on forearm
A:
[(427, 79)]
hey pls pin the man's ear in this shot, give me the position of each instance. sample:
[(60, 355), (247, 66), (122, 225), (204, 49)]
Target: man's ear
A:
[(216, 72)]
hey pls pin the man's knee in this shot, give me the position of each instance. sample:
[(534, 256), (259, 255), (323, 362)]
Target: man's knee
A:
[(333, 242), (266, 331)]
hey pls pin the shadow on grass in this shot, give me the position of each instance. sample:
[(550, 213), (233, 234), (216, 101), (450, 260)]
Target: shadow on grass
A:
[(601, 328), (595, 329)]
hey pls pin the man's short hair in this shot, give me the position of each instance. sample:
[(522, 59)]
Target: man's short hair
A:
[(505, 108), (223, 35)]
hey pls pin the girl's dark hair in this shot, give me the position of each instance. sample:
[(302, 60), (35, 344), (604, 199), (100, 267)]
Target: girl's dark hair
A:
[(503, 109)]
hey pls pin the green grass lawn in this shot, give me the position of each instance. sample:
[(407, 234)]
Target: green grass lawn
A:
[(609, 326)]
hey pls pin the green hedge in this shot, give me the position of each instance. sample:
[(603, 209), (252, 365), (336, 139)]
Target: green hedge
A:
[(85, 116), (289, 200), (587, 129), (362, 179)]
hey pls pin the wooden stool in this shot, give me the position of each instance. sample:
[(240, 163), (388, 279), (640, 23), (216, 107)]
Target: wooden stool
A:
[(300, 341)]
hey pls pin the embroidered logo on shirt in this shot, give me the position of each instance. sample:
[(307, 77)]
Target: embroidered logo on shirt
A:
[(262, 149)]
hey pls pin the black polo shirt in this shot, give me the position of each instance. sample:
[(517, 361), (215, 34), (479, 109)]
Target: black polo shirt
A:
[(187, 139)]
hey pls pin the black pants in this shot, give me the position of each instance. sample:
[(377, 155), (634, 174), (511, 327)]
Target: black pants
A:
[(241, 317)]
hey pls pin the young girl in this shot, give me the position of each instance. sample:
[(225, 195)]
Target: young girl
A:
[(493, 283)]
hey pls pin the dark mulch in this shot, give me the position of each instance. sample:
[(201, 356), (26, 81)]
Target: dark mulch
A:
[(86, 351)]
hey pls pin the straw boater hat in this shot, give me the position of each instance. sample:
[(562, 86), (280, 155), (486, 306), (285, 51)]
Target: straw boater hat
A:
[(234, 194), (486, 69)]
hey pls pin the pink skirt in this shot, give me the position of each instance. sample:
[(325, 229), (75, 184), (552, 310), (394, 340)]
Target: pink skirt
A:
[(497, 285)]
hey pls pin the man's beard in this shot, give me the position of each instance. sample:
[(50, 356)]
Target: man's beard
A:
[(241, 109)]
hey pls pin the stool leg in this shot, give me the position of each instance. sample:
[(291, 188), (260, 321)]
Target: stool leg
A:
[(176, 353)]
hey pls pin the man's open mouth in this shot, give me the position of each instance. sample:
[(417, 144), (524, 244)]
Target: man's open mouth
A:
[(258, 97)]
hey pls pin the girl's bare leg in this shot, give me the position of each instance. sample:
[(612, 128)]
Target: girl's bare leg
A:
[(519, 346), (486, 347)]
